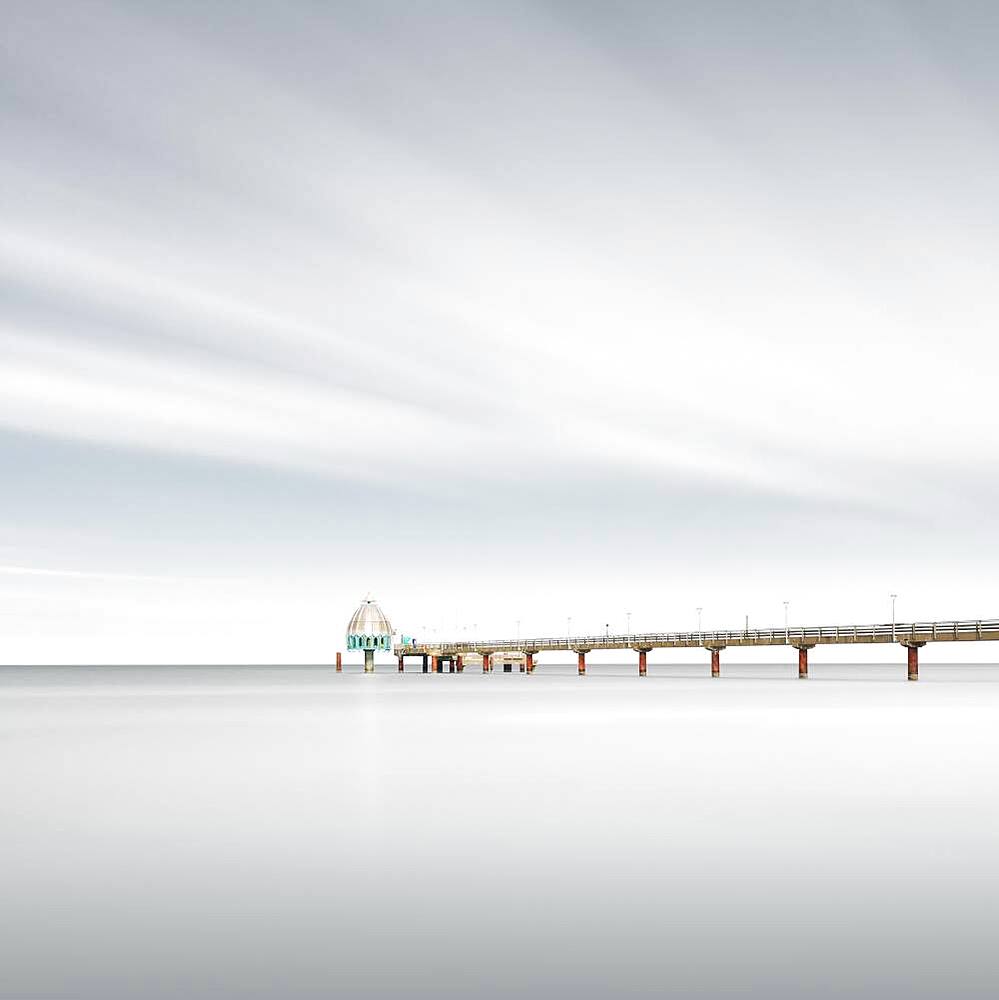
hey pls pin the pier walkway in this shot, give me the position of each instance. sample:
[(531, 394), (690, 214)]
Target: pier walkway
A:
[(912, 635)]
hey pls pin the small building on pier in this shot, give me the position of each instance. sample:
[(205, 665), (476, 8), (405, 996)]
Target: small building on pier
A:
[(509, 662)]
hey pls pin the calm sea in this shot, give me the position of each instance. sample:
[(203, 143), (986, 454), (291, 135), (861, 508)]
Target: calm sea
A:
[(288, 832)]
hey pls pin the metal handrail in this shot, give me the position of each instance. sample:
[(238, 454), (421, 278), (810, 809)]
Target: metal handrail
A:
[(897, 632)]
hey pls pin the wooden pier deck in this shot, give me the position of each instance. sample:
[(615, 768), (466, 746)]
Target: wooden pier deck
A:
[(912, 635)]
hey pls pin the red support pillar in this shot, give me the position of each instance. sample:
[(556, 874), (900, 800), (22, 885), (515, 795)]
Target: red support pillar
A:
[(581, 661), (485, 663), (530, 663), (802, 662), (716, 663), (913, 650), (450, 664), (461, 664), (339, 663), (424, 662), (642, 665), (401, 662), (435, 664)]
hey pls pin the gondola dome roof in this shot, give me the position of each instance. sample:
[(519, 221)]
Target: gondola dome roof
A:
[(369, 619)]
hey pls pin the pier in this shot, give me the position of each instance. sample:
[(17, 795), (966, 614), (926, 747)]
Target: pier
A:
[(912, 636)]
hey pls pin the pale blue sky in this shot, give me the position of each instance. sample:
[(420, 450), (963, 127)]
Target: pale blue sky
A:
[(501, 311)]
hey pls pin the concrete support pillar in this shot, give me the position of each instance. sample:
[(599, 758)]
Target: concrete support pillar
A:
[(913, 657), (716, 660), (424, 662), (461, 664), (402, 663), (803, 661), (581, 661), (339, 663), (530, 663), (369, 661), (643, 667)]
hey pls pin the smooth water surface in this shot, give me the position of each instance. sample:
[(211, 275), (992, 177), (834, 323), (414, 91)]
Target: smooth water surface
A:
[(289, 832)]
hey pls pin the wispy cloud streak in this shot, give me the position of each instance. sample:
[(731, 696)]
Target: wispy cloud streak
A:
[(481, 256)]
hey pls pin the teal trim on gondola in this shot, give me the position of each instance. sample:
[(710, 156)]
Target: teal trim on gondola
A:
[(383, 642)]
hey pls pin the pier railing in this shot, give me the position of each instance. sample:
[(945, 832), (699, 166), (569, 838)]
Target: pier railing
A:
[(981, 629)]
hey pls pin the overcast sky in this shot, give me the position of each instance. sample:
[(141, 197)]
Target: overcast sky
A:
[(502, 311)]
